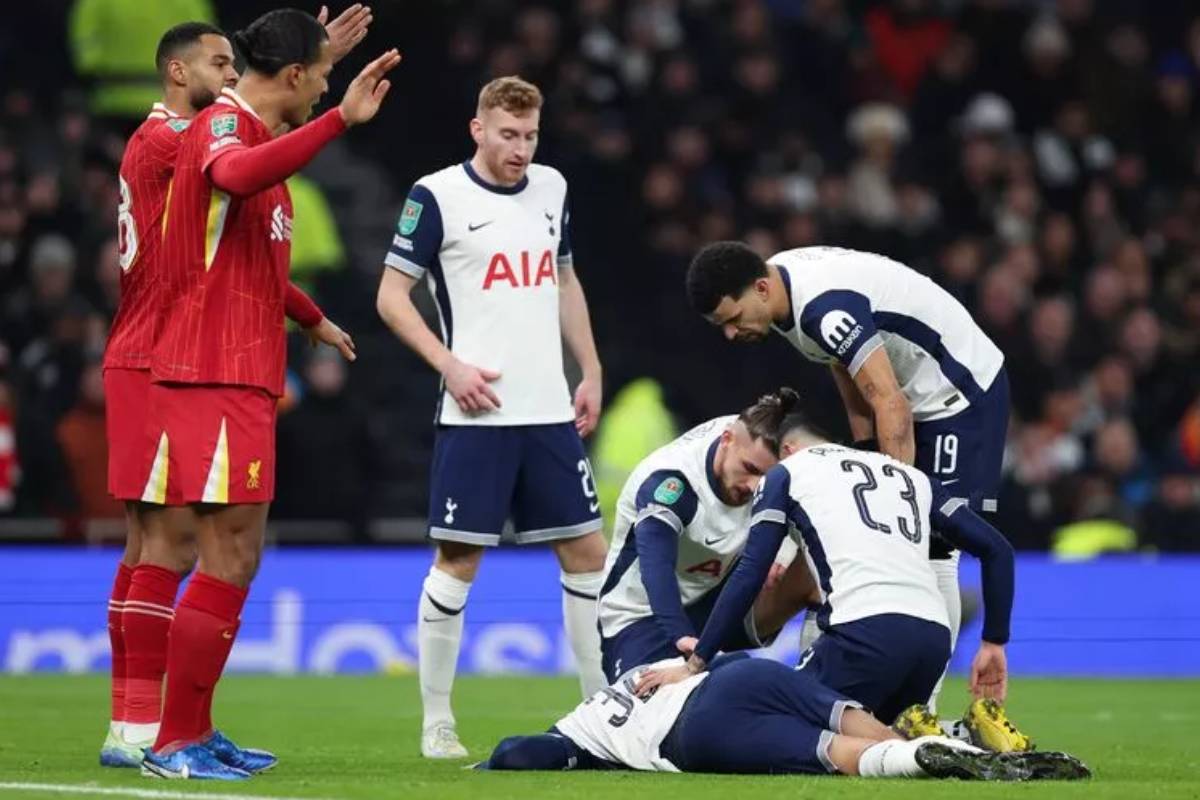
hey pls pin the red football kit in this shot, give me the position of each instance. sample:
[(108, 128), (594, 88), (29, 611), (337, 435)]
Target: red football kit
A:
[(145, 177), (219, 360), (146, 171)]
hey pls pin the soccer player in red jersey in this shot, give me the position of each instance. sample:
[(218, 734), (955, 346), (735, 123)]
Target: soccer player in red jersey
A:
[(218, 365), (195, 61)]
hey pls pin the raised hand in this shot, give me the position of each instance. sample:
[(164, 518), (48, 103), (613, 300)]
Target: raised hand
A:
[(347, 30), (366, 92)]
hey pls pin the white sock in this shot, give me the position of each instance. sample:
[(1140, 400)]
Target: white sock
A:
[(956, 729), (140, 734), (946, 571), (579, 604), (893, 758), (439, 636)]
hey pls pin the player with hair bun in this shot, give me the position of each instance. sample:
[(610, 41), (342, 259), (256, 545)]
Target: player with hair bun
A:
[(681, 525)]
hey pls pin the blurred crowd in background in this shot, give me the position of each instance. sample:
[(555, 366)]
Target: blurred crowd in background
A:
[(1041, 160)]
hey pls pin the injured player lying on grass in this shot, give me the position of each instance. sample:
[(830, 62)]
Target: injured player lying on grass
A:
[(750, 715)]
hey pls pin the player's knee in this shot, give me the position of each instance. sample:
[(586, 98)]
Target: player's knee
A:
[(458, 560), (582, 554)]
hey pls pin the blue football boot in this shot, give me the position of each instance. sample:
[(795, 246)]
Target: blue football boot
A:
[(194, 762), (246, 759)]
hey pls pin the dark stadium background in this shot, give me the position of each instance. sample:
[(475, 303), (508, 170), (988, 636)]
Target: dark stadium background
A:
[(1040, 159)]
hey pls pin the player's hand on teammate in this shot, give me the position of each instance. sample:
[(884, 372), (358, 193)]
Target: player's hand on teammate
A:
[(347, 29), (587, 405), (327, 332), (774, 576), (366, 92), (989, 672), (468, 385), (651, 679), (686, 644)]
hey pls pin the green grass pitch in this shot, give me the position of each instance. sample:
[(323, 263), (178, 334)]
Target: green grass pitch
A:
[(348, 737)]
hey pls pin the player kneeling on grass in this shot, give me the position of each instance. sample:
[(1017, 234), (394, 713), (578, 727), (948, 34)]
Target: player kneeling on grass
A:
[(863, 522), (749, 715), (682, 521)]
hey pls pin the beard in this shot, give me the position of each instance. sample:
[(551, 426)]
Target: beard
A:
[(201, 98)]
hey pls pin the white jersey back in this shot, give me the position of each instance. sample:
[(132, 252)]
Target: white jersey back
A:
[(618, 726), (673, 484), (847, 303), (862, 521), (492, 256)]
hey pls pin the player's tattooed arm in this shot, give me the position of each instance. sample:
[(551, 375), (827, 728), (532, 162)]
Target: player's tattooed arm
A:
[(876, 381), (858, 411)]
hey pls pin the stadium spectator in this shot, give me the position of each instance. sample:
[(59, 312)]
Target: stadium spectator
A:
[(81, 434), (1049, 178), (326, 427)]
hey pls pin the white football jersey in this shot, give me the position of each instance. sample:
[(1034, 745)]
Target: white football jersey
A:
[(848, 303), (618, 726), (676, 485), (492, 256), (861, 520)]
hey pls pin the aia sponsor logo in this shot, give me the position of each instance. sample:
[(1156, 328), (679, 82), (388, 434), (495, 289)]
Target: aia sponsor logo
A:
[(520, 272)]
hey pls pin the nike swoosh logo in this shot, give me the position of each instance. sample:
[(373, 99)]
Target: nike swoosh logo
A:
[(226, 635), (594, 507), (549, 216), (952, 480), (473, 228), (712, 542), (427, 619)]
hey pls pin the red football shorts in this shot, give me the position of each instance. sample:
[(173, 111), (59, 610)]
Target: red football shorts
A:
[(126, 403), (212, 444)]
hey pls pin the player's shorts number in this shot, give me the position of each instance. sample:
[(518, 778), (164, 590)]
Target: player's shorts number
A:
[(127, 235), (945, 454), (909, 529), (587, 481), (609, 694)]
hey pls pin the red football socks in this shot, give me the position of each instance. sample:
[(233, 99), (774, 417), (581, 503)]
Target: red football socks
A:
[(146, 620), (116, 638), (205, 626)]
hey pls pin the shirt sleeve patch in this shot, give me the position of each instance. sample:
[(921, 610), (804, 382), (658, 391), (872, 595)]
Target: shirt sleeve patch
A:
[(410, 215), (223, 125), (669, 491)]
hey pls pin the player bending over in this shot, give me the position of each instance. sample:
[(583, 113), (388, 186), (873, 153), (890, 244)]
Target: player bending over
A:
[(751, 715), (862, 521), (920, 380), (682, 520)]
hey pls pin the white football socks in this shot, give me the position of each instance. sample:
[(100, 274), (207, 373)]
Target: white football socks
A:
[(946, 571), (896, 758), (893, 758), (439, 637), (579, 607)]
